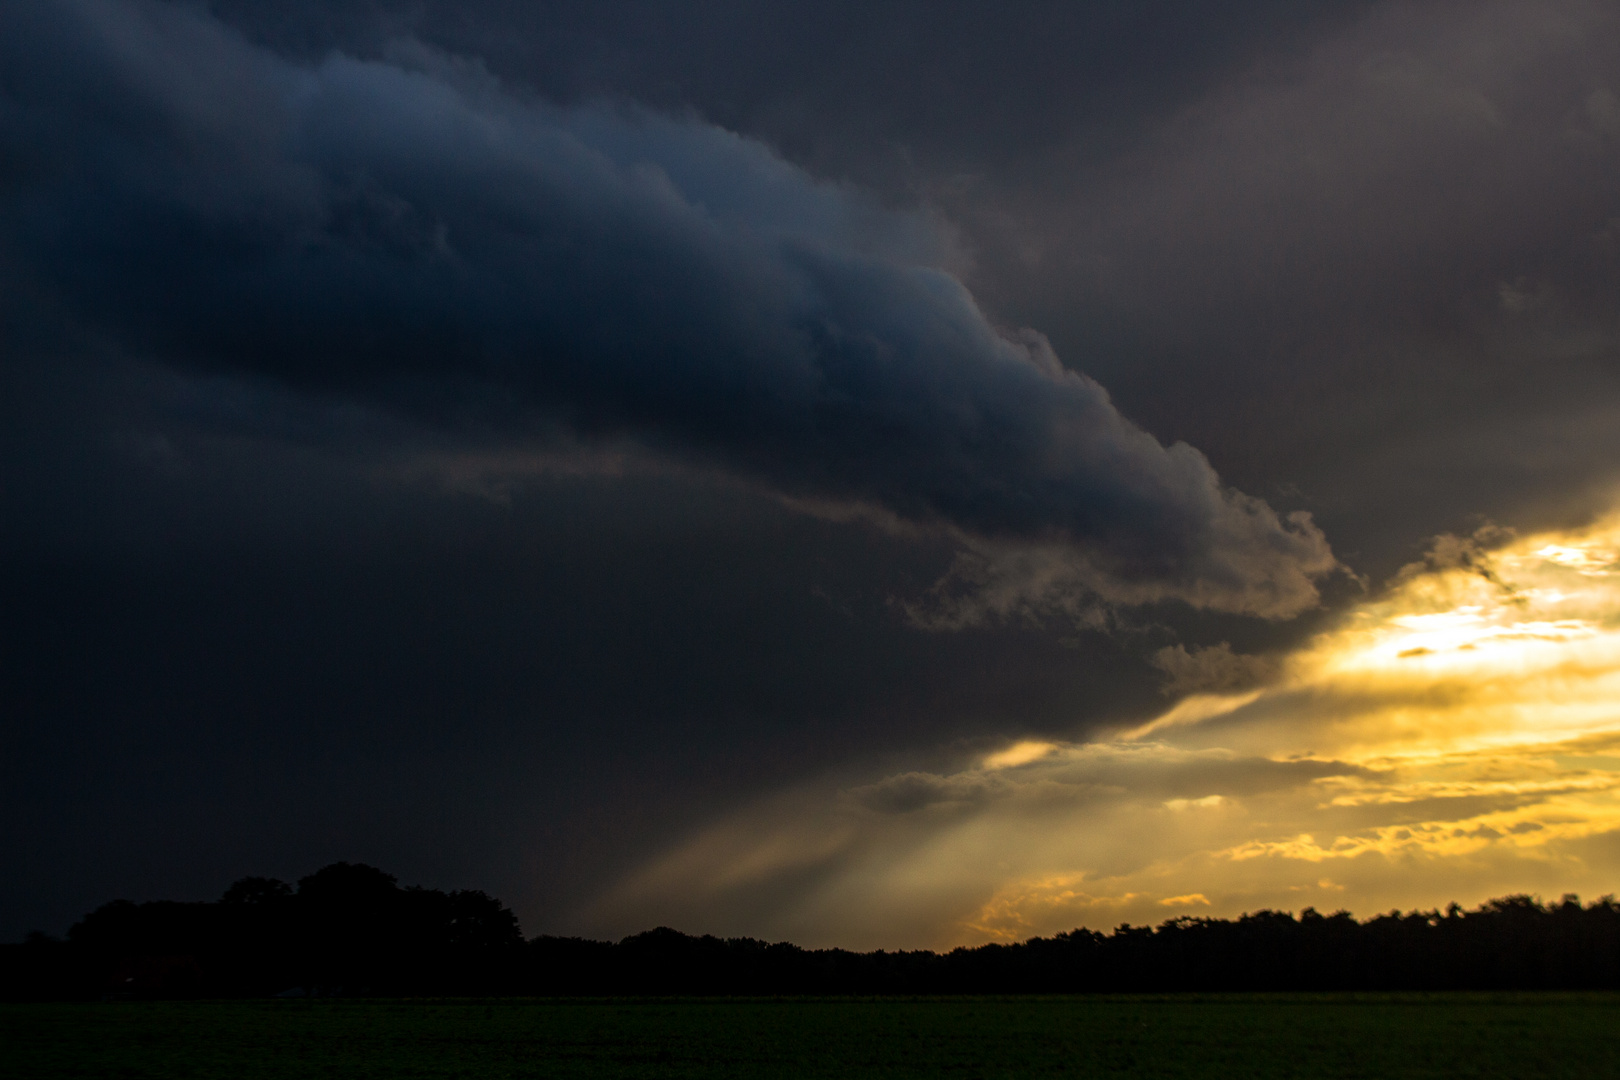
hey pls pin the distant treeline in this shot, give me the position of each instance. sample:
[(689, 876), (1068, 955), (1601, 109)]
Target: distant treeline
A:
[(351, 930)]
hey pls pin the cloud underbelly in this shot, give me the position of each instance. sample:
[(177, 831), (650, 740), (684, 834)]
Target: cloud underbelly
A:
[(413, 235)]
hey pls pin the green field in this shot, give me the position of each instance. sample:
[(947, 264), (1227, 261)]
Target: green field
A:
[(1449, 1036)]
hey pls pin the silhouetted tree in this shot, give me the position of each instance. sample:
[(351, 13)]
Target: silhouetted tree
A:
[(350, 928)]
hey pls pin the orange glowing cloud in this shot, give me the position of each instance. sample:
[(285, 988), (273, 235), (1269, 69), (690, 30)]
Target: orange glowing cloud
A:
[(1456, 737)]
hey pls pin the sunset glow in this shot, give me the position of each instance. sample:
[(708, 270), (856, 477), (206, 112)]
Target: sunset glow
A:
[(1457, 737), (1471, 723), (804, 473)]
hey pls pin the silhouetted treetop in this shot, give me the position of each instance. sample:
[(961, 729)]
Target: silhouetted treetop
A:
[(349, 885), (256, 890), (351, 929)]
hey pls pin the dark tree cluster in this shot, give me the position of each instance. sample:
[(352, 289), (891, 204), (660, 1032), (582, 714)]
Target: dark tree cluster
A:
[(346, 929), (351, 930), (1510, 943)]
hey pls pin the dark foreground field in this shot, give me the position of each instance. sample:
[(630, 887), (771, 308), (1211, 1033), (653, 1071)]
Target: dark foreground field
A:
[(1373, 1036)]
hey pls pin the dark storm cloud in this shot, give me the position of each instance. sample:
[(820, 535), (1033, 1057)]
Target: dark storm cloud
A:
[(1271, 231), (1380, 268), (905, 95), (269, 315), (405, 231)]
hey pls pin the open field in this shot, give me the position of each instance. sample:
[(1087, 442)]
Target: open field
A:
[(1452, 1036)]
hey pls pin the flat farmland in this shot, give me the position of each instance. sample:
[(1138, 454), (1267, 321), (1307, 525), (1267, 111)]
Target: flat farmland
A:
[(1451, 1036)]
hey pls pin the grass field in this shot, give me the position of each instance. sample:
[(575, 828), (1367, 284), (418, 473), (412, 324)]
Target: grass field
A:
[(1378, 1037)]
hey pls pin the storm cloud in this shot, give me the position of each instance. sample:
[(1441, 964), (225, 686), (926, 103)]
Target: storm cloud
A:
[(518, 443), (407, 233), (1378, 271)]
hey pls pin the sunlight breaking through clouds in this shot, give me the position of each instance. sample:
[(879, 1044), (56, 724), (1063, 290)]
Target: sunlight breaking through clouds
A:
[(1456, 737)]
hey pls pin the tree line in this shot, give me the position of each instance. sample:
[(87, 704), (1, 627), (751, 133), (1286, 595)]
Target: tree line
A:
[(350, 929)]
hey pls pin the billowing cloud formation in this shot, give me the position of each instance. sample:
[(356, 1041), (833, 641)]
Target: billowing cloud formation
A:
[(410, 234), (1457, 738)]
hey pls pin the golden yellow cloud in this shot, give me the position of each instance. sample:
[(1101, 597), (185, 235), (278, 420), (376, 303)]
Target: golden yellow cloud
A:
[(1456, 738)]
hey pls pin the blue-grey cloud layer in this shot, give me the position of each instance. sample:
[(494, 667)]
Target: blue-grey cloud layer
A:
[(408, 233)]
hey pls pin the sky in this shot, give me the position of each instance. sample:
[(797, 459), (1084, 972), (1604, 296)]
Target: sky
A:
[(878, 475)]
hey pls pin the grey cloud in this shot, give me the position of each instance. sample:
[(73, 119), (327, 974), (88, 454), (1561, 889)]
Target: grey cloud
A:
[(902, 94), (1379, 268), (409, 233), (1152, 772), (916, 790), (1213, 669)]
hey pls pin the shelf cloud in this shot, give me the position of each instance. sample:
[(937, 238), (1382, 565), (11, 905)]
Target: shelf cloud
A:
[(406, 233), (596, 451)]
